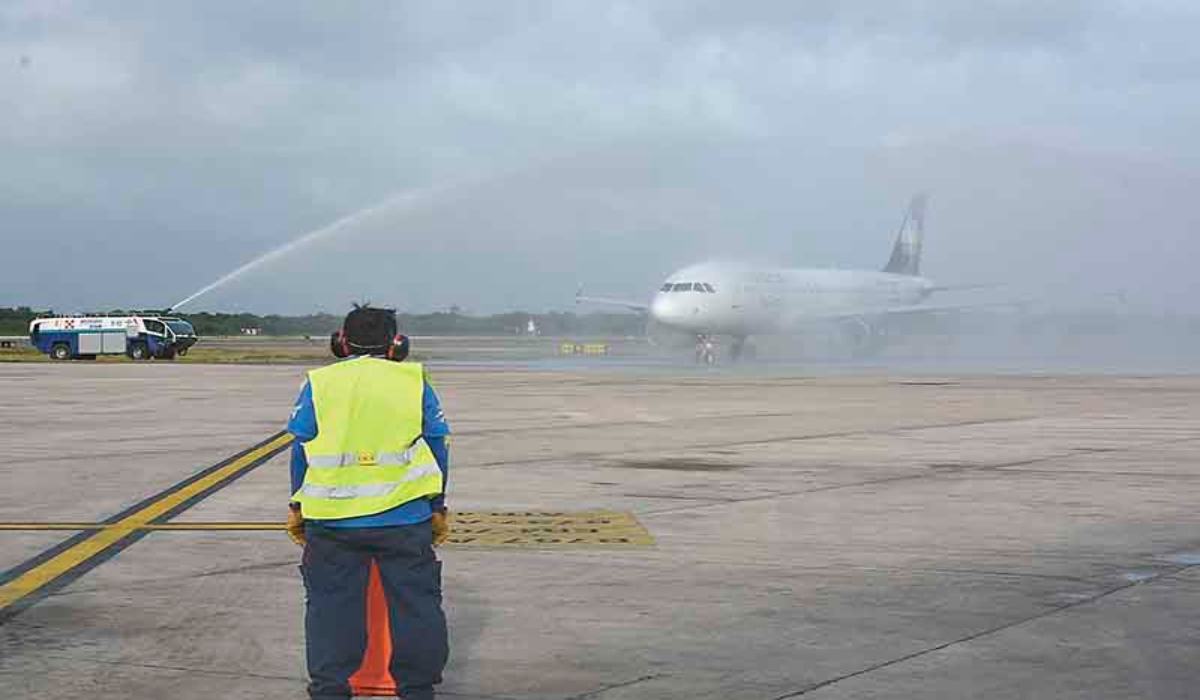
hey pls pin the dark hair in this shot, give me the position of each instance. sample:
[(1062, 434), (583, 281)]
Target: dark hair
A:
[(369, 330)]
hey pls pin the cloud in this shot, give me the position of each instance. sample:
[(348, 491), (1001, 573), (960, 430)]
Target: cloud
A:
[(210, 132)]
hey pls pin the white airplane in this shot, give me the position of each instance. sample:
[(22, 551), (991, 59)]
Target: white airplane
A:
[(740, 300)]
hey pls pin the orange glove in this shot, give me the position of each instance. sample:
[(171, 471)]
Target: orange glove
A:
[(295, 526), (441, 527)]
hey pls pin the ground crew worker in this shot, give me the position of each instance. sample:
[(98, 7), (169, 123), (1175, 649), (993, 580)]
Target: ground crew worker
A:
[(369, 471)]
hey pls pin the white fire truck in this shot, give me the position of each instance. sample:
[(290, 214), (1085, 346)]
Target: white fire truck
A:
[(141, 337)]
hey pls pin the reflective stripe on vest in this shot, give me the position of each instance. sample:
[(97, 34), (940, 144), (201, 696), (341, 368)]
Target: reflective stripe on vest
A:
[(353, 459), (369, 490), (368, 455)]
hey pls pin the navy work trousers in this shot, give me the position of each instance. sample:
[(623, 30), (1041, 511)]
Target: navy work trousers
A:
[(336, 569)]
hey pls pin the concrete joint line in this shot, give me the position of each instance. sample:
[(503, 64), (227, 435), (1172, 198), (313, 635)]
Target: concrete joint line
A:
[(983, 633)]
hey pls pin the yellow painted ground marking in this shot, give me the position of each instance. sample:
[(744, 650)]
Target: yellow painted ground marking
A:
[(481, 529), (111, 533), (555, 529)]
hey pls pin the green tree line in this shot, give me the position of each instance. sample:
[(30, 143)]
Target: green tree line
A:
[(15, 321)]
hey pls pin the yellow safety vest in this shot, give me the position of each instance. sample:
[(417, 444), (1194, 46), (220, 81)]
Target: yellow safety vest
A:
[(368, 455)]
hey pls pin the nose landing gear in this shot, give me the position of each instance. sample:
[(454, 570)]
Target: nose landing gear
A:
[(706, 351)]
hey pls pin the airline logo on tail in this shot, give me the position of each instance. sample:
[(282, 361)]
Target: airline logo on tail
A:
[(906, 255)]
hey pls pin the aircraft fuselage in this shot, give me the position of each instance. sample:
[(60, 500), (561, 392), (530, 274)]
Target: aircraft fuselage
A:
[(720, 298)]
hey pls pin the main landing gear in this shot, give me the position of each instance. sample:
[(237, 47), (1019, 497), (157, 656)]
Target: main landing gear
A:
[(738, 349)]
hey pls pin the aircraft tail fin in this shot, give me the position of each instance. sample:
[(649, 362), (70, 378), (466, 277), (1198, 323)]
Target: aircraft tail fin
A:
[(906, 254)]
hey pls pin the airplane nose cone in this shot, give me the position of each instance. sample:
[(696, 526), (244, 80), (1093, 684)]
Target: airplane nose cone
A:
[(674, 311), (658, 306), (663, 309)]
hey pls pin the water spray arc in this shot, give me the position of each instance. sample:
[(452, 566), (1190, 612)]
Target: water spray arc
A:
[(406, 201), (402, 202)]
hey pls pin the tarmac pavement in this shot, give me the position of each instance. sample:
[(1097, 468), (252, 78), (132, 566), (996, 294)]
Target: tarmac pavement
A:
[(817, 537)]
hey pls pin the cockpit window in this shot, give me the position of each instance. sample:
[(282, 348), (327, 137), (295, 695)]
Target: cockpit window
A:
[(709, 288), (666, 287), (683, 287)]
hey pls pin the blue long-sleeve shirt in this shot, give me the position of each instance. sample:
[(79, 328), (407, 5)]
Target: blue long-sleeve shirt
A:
[(434, 429)]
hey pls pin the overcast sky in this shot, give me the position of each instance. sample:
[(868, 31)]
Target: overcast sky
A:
[(150, 147)]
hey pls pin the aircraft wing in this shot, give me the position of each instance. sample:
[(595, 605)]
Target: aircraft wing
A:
[(963, 287), (868, 312), (640, 307)]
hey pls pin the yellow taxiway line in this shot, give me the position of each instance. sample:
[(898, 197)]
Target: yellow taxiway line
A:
[(489, 529), (95, 543), (140, 519), (76, 527)]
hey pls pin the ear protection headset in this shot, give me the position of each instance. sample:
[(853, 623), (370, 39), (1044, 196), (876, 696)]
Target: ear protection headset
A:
[(339, 345), (397, 347)]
